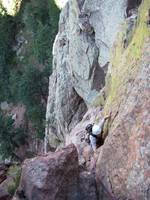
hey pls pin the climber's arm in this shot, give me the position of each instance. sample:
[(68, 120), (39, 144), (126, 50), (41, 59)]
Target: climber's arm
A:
[(101, 124)]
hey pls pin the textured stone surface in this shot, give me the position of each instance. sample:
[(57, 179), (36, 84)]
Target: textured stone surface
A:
[(51, 177), (4, 194), (57, 176), (87, 186), (78, 133), (106, 17), (64, 105), (124, 163), (81, 50), (87, 31)]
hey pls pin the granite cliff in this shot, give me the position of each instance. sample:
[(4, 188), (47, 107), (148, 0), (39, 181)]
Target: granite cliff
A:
[(101, 64), (81, 53)]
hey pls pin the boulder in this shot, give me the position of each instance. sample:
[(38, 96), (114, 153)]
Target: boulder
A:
[(51, 177)]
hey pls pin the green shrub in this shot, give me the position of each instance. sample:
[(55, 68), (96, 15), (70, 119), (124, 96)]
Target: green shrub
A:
[(26, 80), (7, 24), (41, 21), (10, 137)]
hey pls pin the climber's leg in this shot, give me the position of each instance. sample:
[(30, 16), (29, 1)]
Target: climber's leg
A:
[(93, 142)]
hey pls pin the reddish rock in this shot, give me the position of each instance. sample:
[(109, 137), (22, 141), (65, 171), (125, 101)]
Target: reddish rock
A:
[(87, 186), (53, 177), (4, 194), (77, 135), (124, 161)]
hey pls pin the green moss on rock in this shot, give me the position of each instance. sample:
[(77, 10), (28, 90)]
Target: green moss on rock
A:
[(125, 62), (99, 101)]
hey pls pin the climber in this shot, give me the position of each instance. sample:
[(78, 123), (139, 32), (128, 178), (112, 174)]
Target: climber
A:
[(94, 132)]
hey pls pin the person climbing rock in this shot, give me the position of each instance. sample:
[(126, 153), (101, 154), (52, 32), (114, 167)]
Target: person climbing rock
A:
[(94, 132)]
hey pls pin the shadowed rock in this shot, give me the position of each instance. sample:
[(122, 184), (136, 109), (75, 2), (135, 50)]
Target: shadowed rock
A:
[(4, 194), (87, 30), (51, 177)]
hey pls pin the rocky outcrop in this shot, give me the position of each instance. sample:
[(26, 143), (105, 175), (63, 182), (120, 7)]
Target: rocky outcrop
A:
[(76, 136), (81, 53), (80, 49), (4, 195), (51, 177), (56, 176), (123, 163), (87, 186)]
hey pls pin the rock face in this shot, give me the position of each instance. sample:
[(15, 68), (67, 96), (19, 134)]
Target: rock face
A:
[(80, 56), (81, 53), (4, 194), (56, 176), (77, 134), (87, 186), (124, 162), (51, 177)]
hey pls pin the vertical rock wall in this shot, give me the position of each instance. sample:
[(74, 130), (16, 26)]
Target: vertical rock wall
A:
[(124, 163), (120, 168), (87, 30)]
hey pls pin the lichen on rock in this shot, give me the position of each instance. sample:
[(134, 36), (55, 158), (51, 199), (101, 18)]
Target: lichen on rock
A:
[(123, 162), (81, 50)]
